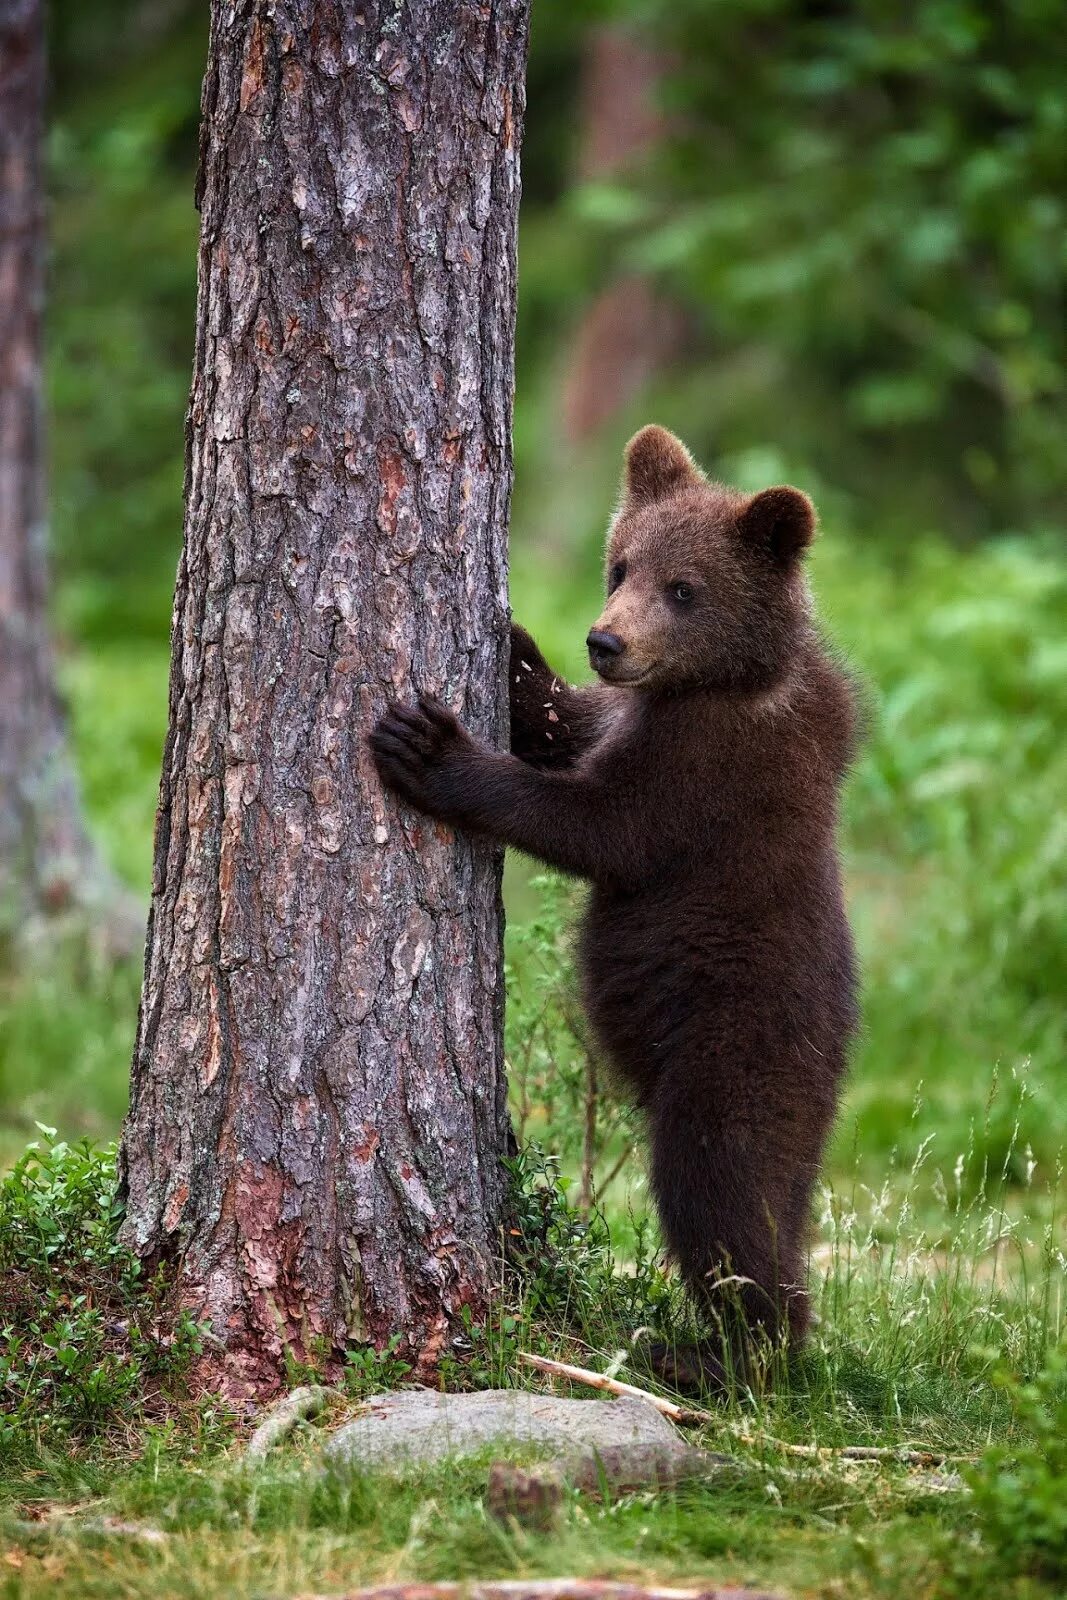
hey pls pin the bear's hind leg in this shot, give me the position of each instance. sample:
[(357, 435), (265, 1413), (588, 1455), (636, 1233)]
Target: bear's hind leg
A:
[(727, 1218)]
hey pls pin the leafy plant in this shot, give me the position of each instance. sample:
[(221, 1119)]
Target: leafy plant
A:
[(1020, 1490), (485, 1355), (82, 1343), (566, 1262), (369, 1371)]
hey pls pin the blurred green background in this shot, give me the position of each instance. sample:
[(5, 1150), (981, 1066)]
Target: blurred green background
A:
[(825, 243)]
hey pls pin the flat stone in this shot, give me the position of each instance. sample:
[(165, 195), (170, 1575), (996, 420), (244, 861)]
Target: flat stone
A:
[(422, 1425)]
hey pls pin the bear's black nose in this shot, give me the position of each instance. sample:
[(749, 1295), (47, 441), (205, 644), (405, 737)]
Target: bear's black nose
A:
[(603, 647)]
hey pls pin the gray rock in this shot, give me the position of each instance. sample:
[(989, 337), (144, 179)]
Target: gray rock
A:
[(422, 1425)]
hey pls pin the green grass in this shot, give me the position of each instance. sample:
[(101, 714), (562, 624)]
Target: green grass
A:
[(284, 1531), (67, 1027), (84, 1339), (909, 1349)]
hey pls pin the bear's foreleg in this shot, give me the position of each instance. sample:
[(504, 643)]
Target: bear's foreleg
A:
[(563, 818)]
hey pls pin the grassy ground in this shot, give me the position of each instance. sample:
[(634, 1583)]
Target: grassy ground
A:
[(287, 1531), (915, 1346), (939, 1244)]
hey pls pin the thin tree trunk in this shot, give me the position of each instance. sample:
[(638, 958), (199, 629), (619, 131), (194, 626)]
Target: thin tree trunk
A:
[(318, 1111), (48, 865), (586, 1188)]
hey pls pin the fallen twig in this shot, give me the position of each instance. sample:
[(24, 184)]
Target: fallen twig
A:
[(687, 1417), (845, 1452), (282, 1418), (683, 1415)]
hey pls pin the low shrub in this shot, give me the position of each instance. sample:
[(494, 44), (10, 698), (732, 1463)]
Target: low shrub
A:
[(83, 1342), (1020, 1490)]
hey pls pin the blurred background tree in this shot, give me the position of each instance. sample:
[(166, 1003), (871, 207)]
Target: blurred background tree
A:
[(51, 875), (125, 114), (824, 243)]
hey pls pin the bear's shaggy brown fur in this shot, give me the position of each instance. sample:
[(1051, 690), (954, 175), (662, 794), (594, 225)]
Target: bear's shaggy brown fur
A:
[(696, 788)]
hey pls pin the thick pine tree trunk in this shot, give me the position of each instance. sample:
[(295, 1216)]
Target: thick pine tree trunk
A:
[(47, 863), (318, 1111)]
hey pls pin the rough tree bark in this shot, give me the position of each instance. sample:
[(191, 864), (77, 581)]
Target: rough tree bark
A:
[(48, 864), (318, 1102)]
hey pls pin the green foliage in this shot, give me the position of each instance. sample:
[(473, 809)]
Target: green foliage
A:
[(81, 1346), (485, 1355), (121, 157), (119, 702), (369, 1371), (865, 211), (957, 844), (1020, 1493), (862, 215), (559, 1089), (567, 1264), (66, 1038), (562, 1283)]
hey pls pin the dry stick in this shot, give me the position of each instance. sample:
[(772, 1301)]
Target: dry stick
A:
[(596, 1380), (684, 1416), (845, 1452), (283, 1417)]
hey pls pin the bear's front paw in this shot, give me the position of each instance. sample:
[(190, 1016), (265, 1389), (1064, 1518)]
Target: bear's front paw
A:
[(418, 751)]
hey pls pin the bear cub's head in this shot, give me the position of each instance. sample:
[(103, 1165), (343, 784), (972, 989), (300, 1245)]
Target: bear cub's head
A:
[(705, 587)]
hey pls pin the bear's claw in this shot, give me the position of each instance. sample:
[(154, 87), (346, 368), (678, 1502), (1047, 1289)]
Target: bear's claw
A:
[(412, 745)]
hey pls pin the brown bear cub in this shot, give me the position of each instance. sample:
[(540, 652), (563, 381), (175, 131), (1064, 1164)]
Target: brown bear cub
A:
[(696, 787)]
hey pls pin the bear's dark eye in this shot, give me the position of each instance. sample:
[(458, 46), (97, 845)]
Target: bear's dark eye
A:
[(617, 574), (682, 592)]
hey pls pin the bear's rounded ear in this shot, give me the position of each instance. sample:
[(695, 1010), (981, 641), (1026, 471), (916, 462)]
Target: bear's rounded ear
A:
[(780, 521), (656, 465)]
